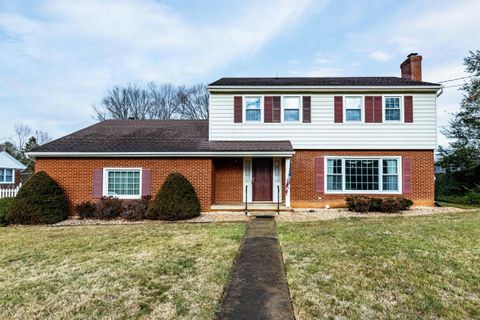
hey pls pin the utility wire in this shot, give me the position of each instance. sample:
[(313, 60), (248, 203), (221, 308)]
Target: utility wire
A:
[(453, 86), (450, 80)]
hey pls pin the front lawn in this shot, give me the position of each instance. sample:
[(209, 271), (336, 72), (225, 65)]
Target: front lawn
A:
[(393, 267), (151, 271)]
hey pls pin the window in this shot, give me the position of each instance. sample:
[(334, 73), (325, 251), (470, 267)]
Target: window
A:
[(291, 109), (6, 175), (334, 174), (362, 175), (353, 109), (392, 108), (122, 183), (253, 109)]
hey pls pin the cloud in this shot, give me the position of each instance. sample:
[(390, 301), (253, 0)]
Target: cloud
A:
[(380, 56)]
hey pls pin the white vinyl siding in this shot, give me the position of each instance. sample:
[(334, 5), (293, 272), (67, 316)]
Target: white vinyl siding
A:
[(323, 133)]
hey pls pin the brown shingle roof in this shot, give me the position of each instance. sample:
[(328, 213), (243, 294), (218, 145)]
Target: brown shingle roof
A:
[(153, 136)]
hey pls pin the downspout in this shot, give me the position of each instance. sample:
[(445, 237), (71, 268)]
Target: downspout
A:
[(439, 93)]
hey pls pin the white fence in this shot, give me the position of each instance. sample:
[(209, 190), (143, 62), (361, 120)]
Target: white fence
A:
[(8, 193)]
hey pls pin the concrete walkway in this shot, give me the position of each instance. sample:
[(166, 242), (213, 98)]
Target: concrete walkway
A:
[(258, 289)]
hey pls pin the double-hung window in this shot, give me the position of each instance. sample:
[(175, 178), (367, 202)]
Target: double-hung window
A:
[(253, 109), (6, 175), (122, 183), (291, 109), (363, 175), (392, 108), (353, 109)]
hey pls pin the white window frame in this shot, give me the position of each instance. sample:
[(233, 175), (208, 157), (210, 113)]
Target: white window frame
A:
[(380, 181), (384, 106), (105, 183), (362, 109), (2, 181), (300, 108), (244, 106)]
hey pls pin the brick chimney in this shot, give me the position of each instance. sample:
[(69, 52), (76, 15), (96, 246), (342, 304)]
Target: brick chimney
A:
[(412, 67)]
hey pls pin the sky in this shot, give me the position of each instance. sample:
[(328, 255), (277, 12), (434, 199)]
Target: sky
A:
[(58, 58)]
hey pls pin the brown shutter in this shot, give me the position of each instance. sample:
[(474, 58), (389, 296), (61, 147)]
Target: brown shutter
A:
[(408, 106), (268, 109), (338, 109), (307, 109), (237, 109), (146, 182), (407, 175), (319, 175), (368, 109), (97, 183), (276, 109), (377, 109)]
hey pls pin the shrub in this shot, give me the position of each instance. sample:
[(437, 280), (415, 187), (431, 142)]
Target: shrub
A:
[(176, 200), (41, 200), (135, 210), (376, 204), (86, 210), (358, 203), (4, 204), (391, 205), (108, 208), (405, 203), (472, 197)]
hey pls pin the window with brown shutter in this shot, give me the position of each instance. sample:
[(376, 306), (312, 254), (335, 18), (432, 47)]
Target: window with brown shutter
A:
[(408, 106), (237, 109), (277, 109), (268, 109), (338, 109), (307, 109)]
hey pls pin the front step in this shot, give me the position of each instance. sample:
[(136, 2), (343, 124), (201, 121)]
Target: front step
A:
[(258, 214)]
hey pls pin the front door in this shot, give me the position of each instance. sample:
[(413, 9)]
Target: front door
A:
[(262, 179)]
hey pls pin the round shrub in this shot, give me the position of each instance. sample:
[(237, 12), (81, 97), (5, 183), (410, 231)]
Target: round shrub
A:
[(391, 205), (135, 210), (358, 203), (86, 210), (405, 203), (376, 204), (40, 201), (108, 208), (4, 204), (176, 200)]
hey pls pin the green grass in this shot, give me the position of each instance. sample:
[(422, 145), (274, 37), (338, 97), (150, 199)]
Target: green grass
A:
[(387, 268), (152, 271)]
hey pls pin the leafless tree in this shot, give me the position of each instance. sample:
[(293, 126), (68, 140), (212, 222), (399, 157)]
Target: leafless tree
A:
[(124, 103), (164, 101), (42, 137), (22, 133), (194, 101)]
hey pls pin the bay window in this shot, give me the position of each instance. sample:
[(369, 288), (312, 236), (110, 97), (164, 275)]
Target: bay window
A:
[(353, 109), (6, 176), (291, 109), (363, 175), (122, 183), (253, 109)]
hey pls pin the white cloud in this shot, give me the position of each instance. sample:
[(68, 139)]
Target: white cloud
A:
[(380, 56)]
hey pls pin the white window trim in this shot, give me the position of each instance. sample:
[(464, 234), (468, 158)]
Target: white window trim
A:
[(384, 106), (362, 109), (105, 183), (5, 175), (380, 182), (300, 108), (244, 106)]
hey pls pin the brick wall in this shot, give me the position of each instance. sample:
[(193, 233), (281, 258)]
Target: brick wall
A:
[(303, 194), (75, 175), (228, 180)]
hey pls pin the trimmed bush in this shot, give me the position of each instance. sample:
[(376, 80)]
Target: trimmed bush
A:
[(405, 203), (358, 203), (391, 205), (86, 210), (376, 204), (40, 201), (108, 208), (4, 204), (176, 200), (135, 210)]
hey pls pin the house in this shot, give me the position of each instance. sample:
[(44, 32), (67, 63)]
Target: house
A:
[(301, 142), (10, 169)]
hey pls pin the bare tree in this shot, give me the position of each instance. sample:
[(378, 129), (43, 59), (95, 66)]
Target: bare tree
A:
[(164, 101), (42, 137), (194, 101), (124, 103), (22, 133)]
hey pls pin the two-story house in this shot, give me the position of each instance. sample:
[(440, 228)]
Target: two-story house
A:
[(303, 142)]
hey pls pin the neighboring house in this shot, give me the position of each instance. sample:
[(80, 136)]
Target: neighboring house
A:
[(10, 169), (306, 142)]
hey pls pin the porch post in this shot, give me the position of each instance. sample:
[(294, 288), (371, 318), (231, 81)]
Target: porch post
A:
[(287, 190)]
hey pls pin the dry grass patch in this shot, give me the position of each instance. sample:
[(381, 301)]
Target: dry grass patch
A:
[(384, 268), (154, 271)]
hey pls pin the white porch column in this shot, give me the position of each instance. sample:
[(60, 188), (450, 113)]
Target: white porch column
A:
[(287, 172)]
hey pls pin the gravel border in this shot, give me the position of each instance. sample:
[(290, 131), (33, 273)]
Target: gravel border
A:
[(297, 215)]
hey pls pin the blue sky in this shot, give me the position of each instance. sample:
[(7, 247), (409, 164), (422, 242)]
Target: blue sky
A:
[(58, 58)]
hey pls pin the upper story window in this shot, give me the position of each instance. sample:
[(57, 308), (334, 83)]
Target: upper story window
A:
[(353, 109), (122, 183), (253, 109), (392, 108), (6, 175), (291, 109)]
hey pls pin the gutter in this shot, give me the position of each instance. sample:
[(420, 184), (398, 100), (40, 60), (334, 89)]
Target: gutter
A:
[(322, 88)]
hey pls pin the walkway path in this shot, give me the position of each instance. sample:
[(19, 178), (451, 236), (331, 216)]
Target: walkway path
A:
[(258, 289)]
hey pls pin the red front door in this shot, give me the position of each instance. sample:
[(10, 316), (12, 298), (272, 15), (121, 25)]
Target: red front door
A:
[(262, 179)]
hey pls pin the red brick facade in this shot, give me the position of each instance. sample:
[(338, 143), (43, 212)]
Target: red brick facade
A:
[(228, 180), (303, 191)]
